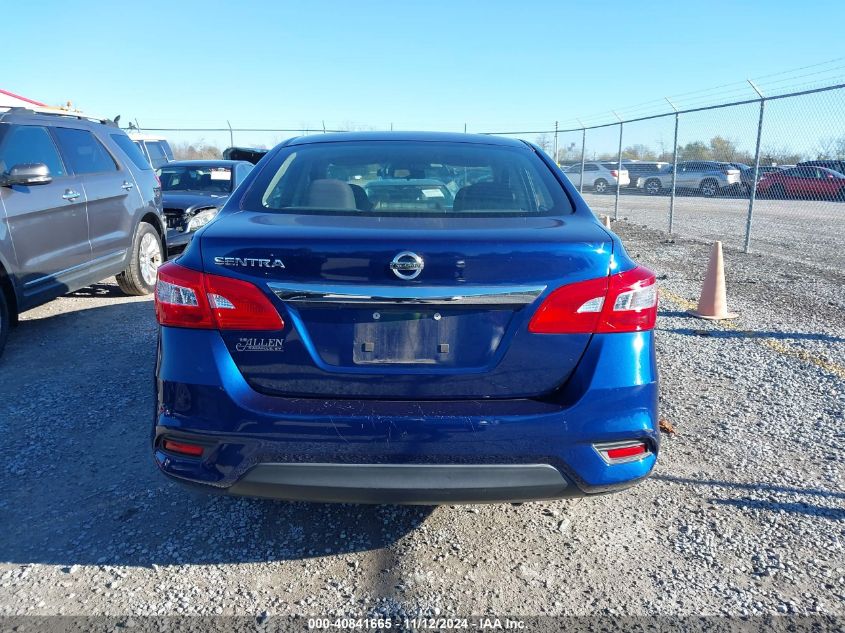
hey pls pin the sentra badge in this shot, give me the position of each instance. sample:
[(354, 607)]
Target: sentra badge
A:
[(249, 262)]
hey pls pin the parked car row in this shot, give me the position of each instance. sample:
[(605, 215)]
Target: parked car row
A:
[(809, 179), (79, 202)]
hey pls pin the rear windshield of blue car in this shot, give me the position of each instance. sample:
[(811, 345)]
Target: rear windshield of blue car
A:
[(406, 178)]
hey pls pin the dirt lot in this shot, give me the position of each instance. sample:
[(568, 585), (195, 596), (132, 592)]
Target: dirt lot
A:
[(745, 513), (788, 229)]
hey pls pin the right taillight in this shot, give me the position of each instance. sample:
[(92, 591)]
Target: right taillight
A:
[(191, 299), (624, 302)]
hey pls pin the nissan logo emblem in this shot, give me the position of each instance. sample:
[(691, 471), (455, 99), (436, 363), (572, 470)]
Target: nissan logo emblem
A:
[(407, 265)]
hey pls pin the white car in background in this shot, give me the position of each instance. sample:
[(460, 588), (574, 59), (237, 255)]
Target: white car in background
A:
[(600, 177), (155, 149)]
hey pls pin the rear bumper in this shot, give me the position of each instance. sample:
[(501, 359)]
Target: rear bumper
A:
[(427, 484), (379, 451)]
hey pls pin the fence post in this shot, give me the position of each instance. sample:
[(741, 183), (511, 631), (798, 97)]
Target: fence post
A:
[(753, 196), (674, 168), (583, 158), (618, 173), (555, 157)]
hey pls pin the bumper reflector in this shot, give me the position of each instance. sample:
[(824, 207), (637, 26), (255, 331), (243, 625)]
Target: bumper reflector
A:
[(622, 452), (183, 448)]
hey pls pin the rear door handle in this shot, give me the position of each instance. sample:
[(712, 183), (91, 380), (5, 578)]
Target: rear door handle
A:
[(126, 185), (70, 194)]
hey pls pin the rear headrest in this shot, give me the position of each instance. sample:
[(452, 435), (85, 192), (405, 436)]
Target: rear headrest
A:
[(485, 195), (330, 194)]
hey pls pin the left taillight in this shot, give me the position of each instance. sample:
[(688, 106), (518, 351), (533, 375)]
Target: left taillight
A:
[(624, 302), (191, 299)]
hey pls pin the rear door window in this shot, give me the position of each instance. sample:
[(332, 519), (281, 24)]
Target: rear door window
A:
[(131, 150), (84, 152), (30, 144), (157, 155)]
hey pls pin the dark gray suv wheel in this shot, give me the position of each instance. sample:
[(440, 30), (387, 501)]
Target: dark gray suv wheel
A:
[(147, 255)]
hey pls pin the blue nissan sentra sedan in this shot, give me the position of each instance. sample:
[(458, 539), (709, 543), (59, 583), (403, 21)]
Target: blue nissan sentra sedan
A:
[(406, 318)]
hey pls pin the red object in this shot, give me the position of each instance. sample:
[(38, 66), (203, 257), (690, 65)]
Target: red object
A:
[(625, 302), (12, 97), (191, 299), (803, 182), (183, 448), (626, 451), (614, 173)]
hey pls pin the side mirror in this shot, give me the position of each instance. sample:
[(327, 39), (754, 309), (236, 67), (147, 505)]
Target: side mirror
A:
[(28, 174)]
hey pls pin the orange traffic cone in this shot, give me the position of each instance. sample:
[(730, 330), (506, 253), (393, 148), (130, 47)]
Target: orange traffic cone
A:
[(713, 303)]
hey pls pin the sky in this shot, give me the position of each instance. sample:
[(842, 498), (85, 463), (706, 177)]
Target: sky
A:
[(433, 65)]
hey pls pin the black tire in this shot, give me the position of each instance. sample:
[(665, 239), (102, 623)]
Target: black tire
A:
[(840, 195), (600, 186), (139, 277), (5, 320), (709, 188), (653, 186)]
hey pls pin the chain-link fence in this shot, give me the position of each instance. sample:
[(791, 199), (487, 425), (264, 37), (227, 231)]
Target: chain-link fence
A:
[(762, 173)]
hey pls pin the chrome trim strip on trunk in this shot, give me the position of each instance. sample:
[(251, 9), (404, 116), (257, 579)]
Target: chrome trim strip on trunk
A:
[(458, 296)]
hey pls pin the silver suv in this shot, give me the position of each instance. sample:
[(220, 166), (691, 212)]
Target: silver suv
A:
[(709, 178), (78, 203), (600, 177)]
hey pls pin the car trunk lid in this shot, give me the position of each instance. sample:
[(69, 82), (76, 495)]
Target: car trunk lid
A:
[(363, 321)]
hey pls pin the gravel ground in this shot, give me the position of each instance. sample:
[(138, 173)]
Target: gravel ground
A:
[(745, 513), (788, 229)]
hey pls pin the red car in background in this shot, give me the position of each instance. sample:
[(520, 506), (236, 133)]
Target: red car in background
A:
[(803, 181)]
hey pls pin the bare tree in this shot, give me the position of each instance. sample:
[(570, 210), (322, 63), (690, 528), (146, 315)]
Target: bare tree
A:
[(544, 142), (196, 150)]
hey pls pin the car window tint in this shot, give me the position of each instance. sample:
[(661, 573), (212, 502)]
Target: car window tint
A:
[(84, 152), (131, 150), (165, 147), (205, 178), (409, 178), (30, 144), (589, 167), (156, 152)]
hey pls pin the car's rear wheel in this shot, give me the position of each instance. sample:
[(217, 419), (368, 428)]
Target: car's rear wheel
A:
[(840, 195), (600, 186), (653, 186), (709, 188), (139, 278), (5, 320)]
